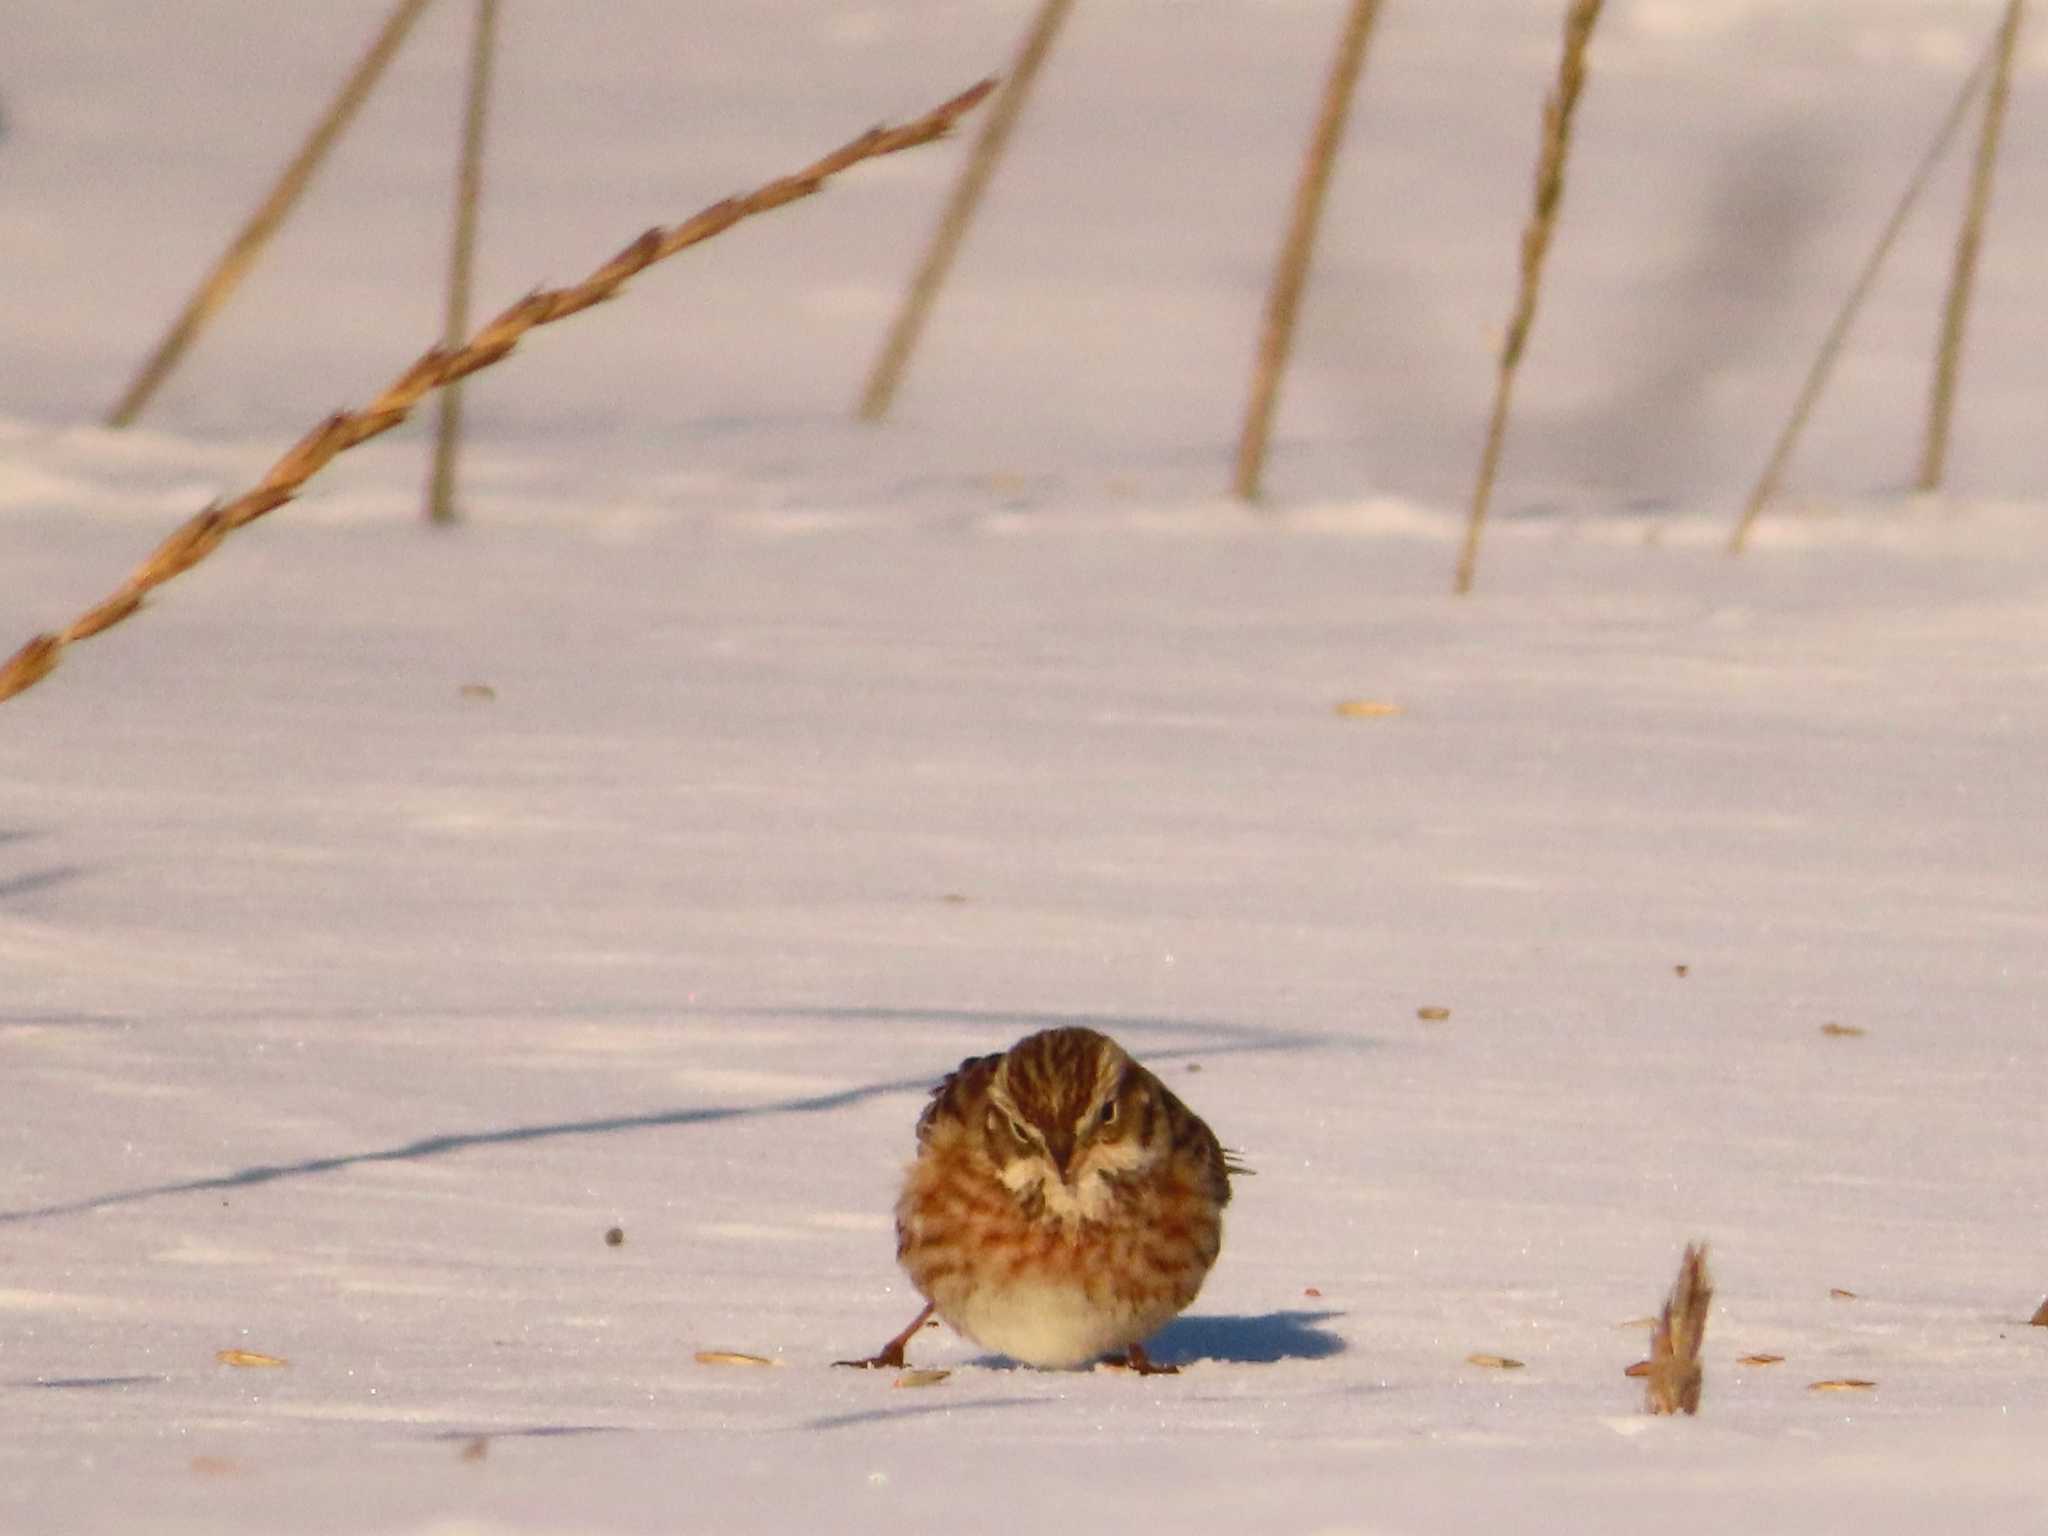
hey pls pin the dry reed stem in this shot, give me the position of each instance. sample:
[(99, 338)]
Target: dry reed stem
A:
[(1558, 112), (1290, 272), (1963, 277), (1831, 346), (1675, 1375), (218, 285), (469, 181), (887, 373), (439, 366)]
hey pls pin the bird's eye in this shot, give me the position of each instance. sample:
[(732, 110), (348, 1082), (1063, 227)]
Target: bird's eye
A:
[(1017, 1130), (1108, 1115)]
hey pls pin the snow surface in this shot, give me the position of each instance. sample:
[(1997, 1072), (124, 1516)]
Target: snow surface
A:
[(346, 1006)]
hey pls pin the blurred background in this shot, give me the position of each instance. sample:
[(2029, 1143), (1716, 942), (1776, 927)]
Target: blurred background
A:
[(1735, 161)]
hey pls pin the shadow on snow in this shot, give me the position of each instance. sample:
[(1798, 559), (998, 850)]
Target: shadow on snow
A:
[(1221, 1039), (1264, 1338)]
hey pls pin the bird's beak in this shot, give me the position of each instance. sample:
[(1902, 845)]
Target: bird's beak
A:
[(1061, 1145)]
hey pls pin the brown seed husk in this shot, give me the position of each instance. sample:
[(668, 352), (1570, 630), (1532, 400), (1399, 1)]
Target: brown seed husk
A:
[(249, 1359), (731, 1357)]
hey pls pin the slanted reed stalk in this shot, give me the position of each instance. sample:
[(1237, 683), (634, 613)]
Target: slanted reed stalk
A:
[(1963, 278), (219, 285), (1831, 345), (1290, 272), (439, 366), (1558, 112), (887, 374), (469, 182), (1675, 1374)]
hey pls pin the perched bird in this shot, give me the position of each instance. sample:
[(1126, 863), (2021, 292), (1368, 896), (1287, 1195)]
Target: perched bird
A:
[(1064, 1205)]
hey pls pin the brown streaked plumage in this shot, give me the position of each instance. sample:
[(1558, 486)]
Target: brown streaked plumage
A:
[(1064, 1204)]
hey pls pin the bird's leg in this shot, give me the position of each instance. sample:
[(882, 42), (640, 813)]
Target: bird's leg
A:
[(891, 1354), (1137, 1360)]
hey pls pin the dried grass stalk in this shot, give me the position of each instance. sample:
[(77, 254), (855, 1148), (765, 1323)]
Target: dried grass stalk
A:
[(1831, 345), (218, 285), (1675, 1376), (1558, 112), (440, 366), (1963, 277), (887, 373), (469, 185), (1290, 272)]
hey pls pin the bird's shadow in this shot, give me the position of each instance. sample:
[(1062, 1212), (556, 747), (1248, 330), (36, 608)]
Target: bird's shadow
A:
[(1246, 1338), (1264, 1338), (1228, 1338)]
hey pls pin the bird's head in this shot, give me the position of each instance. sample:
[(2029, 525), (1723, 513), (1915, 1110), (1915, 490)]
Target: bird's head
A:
[(1068, 1109)]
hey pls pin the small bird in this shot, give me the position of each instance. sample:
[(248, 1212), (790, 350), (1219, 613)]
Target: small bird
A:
[(1063, 1205)]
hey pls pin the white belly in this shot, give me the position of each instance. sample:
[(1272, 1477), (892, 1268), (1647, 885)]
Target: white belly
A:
[(1038, 1323)]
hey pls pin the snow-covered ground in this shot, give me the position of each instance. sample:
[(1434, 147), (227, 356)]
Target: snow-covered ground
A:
[(345, 1005)]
